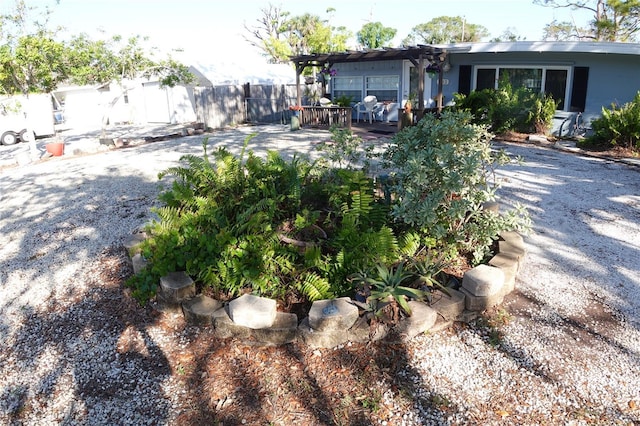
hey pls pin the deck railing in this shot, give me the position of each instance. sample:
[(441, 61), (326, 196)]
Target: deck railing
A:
[(319, 116)]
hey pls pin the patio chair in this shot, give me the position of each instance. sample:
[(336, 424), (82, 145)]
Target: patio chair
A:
[(369, 103), (325, 102)]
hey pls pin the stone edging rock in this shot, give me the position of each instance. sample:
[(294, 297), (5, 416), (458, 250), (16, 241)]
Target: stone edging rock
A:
[(331, 323)]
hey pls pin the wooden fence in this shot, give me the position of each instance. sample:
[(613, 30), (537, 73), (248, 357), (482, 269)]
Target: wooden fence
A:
[(223, 106)]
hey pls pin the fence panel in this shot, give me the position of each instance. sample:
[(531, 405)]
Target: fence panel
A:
[(222, 106)]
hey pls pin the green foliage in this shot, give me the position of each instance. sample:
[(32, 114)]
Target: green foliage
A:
[(33, 59), (618, 126), (273, 227), (280, 35), (505, 109), (374, 35), (346, 150), (442, 171), (235, 224), (429, 270), (445, 29), (343, 101), (613, 20), (386, 284)]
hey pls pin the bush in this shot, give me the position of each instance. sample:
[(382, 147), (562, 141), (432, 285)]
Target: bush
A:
[(506, 109), (618, 126), (441, 169), (279, 228), (268, 226)]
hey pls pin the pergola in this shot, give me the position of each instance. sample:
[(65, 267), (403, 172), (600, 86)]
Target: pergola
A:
[(420, 56)]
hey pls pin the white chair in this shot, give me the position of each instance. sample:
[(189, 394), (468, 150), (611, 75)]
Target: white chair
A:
[(325, 102), (369, 103)]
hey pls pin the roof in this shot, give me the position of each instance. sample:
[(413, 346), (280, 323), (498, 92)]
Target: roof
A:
[(546, 46), (437, 53)]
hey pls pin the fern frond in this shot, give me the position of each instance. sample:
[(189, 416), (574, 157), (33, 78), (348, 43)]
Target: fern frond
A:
[(314, 287)]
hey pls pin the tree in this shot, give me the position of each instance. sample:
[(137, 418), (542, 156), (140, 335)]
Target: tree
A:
[(509, 34), (445, 29), (564, 31), (32, 61), (613, 20), (374, 35), (279, 36)]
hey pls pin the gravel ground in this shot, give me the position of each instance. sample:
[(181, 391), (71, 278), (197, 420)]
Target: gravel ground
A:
[(564, 349)]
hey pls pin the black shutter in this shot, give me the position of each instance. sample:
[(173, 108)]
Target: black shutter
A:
[(579, 88), (464, 79)]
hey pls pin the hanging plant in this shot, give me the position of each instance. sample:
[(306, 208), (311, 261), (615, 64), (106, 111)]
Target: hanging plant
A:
[(432, 69)]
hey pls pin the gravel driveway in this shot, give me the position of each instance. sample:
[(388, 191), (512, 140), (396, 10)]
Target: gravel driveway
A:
[(568, 352)]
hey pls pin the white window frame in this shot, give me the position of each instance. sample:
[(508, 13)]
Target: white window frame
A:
[(355, 84), (392, 79), (544, 68)]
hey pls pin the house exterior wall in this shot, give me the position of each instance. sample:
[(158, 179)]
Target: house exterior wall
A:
[(612, 70), (374, 69), (613, 78)]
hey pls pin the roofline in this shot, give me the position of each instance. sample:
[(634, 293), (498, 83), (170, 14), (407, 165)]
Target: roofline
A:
[(546, 46), (436, 53)]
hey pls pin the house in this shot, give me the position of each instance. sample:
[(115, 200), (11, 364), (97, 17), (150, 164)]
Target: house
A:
[(583, 77)]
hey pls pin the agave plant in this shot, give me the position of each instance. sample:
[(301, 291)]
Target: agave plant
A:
[(387, 284), (429, 270)]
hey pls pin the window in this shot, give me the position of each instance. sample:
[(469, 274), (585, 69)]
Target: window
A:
[(348, 86), (385, 88), (549, 80)]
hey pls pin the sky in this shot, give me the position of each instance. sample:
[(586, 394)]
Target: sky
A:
[(211, 31)]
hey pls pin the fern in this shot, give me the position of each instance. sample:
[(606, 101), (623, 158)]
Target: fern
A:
[(314, 287)]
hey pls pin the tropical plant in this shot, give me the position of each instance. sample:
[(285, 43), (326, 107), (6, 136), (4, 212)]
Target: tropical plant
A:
[(374, 35), (509, 109), (346, 150), (618, 126), (386, 285), (234, 223), (429, 271), (445, 29)]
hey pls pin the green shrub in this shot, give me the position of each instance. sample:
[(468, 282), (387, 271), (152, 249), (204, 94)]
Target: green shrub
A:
[(618, 126), (276, 228), (506, 109), (229, 223), (441, 169)]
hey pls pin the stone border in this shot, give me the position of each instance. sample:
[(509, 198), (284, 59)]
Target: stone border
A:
[(331, 323)]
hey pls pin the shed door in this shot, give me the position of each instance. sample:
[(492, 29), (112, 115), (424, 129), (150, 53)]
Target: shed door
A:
[(156, 103)]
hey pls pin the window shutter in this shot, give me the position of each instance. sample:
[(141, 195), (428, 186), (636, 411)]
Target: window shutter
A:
[(464, 79), (579, 88)]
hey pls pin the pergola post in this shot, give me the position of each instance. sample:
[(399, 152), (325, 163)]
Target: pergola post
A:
[(299, 69)]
